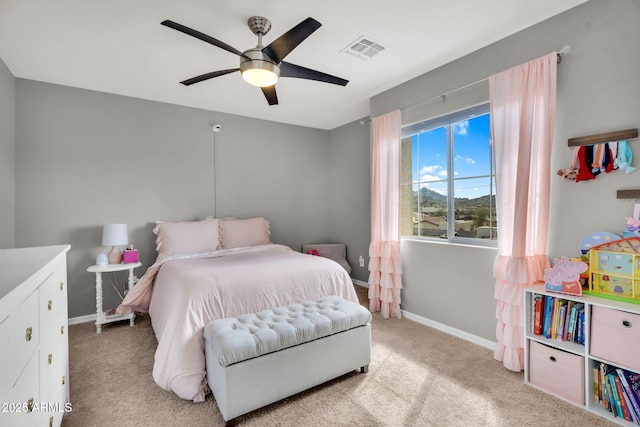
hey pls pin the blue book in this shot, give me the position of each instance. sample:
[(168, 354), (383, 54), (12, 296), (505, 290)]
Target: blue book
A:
[(562, 315), (548, 310), (580, 327), (616, 398)]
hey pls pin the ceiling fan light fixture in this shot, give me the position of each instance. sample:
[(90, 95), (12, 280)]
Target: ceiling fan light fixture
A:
[(259, 70), (259, 77)]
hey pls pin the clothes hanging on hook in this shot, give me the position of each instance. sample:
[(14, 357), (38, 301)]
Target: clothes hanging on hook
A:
[(625, 156), (591, 160)]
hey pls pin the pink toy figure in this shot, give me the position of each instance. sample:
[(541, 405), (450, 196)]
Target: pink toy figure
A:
[(564, 277)]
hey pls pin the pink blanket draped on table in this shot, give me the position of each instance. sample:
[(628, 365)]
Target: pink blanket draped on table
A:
[(184, 293)]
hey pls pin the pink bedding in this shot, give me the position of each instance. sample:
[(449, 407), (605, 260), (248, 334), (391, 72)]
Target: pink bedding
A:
[(185, 292)]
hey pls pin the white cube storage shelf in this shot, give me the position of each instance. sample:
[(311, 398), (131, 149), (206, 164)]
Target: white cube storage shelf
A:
[(565, 369)]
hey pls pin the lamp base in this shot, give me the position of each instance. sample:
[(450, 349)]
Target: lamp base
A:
[(115, 255)]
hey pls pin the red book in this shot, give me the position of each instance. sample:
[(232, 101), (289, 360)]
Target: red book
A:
[(625, 410), (537, 316)]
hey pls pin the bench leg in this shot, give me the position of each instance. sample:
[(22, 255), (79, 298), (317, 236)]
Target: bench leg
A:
[(364, 369), (230, 423)]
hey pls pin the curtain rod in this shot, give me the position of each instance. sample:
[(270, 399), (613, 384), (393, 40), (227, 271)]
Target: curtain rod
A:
[(564, 51)]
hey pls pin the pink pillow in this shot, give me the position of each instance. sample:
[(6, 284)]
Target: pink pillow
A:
[(244, 232), (187, 237)]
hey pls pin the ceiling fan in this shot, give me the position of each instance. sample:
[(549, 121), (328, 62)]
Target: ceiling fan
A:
[(262, 66)]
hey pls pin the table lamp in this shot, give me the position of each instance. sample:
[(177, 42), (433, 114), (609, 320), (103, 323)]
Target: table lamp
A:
[(114, 235)]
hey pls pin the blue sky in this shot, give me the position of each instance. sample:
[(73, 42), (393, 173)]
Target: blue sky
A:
[(471, 158)]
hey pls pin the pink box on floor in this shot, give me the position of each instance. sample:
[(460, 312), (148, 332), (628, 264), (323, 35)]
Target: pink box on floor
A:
[(130, 256)]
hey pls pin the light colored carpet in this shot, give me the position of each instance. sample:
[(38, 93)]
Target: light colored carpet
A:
[(418, 376)]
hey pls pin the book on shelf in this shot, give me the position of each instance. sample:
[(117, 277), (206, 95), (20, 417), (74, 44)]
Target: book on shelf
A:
[(634, 382), (557, 318), (548, 310), (562, 314), (617, 406), (627, 404), (605, 388), (597, 386), (622, 397), (633, 396), (579, 338), (565, 332), (538, 307), (613, 387)]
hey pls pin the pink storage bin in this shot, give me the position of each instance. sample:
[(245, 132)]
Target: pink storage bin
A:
[(615, 336), (130, 256), (557, 372)]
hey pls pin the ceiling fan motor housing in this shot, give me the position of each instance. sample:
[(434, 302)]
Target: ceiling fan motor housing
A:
[(254, 60)]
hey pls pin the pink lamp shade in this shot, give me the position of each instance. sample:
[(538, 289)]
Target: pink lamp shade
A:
[(114, 235)]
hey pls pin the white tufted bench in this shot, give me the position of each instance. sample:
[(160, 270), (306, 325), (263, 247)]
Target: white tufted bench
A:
[(257, 359)]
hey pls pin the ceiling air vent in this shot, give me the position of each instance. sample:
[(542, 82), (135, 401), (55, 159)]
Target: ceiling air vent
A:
[(364, 47)]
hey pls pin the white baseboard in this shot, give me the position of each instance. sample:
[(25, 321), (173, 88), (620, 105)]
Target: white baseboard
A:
[(440, 326), (82, 319), (450, 330), (360, 283)]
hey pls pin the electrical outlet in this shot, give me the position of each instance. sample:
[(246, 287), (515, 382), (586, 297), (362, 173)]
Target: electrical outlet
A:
[(361, 261)]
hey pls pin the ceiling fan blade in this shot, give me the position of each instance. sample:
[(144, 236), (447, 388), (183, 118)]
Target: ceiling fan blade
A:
[(288, 69), (284, 44), (201, 36), (208, 76), (270, 94)]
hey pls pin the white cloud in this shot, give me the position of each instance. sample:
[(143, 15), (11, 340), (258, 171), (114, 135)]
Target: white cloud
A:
[(460, 128), (432, 173), (467, 160)]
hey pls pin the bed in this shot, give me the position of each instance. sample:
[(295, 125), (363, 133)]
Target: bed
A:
[(214, 269)]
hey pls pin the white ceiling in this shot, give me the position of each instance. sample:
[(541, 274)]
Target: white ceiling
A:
[(119, 47)]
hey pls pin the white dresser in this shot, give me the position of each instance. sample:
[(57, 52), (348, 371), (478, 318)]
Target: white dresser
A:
[(34, 354)]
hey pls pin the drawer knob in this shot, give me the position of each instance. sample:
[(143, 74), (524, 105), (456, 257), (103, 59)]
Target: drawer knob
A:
[(49, 358), (61, 286), (62, 329), (50, 421), (49, 304), (30, 404), (553, 359), (63, 380), (626, 324), (28, 334)]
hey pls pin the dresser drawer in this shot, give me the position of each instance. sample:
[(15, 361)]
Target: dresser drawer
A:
[(53, 310), (615, 336), (19, 398), (557, 372), (20, 331)]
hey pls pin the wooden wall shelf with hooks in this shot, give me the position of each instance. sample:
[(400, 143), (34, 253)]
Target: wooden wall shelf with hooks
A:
[(628, 194), (604, 137)]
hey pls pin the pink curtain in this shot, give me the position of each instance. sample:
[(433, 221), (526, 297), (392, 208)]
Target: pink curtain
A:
[(523, 102), (385, 265)]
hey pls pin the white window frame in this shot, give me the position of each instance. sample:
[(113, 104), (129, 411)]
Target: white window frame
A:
[(447, 121)]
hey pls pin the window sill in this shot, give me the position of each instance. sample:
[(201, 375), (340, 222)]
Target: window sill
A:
[(481, 244)]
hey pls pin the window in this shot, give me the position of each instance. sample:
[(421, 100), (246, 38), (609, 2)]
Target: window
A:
[(449, 155)]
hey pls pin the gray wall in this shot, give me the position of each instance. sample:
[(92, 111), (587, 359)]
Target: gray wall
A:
[(7, 157), (598, 91), (86, 158), (350, 195)]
